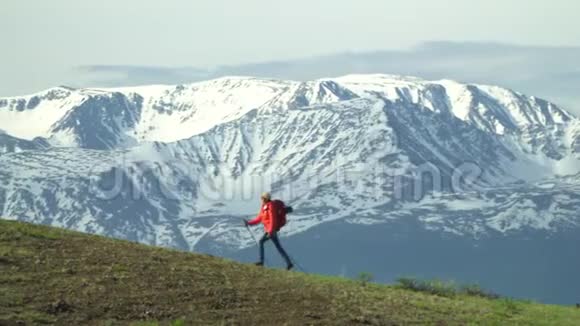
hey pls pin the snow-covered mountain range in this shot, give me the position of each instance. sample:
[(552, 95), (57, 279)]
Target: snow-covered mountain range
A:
[(172, 165), (396, 175)]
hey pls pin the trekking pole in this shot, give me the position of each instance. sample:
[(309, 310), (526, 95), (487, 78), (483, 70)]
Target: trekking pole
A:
[(253, 236), (251, 233)]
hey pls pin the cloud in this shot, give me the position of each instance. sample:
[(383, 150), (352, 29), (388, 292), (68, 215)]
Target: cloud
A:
[(549, 72), (108, 75)]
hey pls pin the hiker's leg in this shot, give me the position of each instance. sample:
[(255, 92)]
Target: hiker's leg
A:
[(281, 250), (262, 241)]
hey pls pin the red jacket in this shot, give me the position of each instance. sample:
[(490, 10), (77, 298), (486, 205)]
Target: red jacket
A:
[(268, 217)]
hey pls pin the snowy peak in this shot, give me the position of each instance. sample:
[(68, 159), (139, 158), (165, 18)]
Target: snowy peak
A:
[(31, 116), (101, 121), (490, 108), (127, 116), (319, 92), (182, 111)]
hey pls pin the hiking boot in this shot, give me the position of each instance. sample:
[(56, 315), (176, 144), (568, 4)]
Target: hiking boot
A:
[(289, 266), (259, 263)]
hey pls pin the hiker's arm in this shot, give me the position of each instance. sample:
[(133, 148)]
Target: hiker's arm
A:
[(256, 220)]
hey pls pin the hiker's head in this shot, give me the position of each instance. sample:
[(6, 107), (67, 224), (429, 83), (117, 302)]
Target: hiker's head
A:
[(266, 197)]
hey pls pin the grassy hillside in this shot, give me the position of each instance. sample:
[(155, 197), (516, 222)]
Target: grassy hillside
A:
[(51, 276)]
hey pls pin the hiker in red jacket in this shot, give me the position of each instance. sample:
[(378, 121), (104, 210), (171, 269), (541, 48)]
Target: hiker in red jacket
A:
[(272, 219)]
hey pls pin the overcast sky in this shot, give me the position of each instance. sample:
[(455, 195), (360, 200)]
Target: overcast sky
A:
[(44, 42)]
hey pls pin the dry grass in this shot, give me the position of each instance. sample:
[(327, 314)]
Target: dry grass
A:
[(52, 276)]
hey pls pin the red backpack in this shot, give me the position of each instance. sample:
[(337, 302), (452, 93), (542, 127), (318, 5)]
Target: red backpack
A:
[(280, 210)]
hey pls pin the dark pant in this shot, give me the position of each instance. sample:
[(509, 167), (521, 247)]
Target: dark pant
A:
[(274, 238)]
